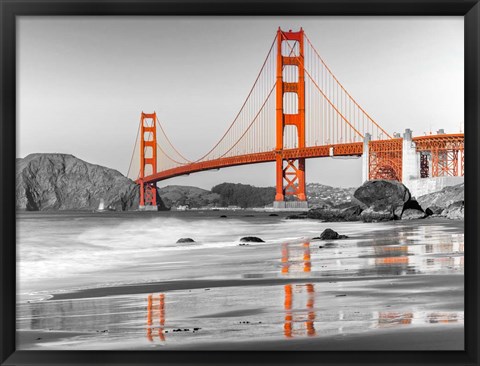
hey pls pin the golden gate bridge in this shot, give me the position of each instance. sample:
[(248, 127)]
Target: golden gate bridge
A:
[(295, 110)]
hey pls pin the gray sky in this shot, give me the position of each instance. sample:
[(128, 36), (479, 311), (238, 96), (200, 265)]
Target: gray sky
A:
[(83, 81)]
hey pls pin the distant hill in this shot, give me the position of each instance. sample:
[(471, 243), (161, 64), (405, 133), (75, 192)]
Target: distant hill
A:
[(244, 195), (64, 182), (327, 196), (192, 197)]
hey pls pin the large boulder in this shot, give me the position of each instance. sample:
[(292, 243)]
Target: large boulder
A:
[(382, 194), (64, 182), (383, 200)]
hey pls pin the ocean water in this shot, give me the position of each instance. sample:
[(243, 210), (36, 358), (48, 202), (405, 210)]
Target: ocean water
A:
[(63, 251), (393, 275)]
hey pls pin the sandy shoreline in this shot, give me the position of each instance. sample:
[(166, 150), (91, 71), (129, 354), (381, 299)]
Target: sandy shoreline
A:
[(397, 289), (417, 281)]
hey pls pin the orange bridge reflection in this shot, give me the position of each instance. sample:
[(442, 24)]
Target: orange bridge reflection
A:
[(293, 261), (156, 310)]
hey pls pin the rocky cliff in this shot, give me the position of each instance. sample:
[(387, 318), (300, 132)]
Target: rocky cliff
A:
[(64, 182)]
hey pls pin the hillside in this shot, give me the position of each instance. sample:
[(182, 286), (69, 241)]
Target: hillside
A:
[(64, 182), (193, 197), (321, 195), (244, 195)]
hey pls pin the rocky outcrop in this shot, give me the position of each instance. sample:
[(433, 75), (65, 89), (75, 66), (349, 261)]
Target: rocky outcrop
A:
[(455, 211), (384, 200), (442, 199), (333, 214), (64, 182)]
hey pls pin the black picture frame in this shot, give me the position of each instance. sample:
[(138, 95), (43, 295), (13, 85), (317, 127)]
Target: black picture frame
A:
[(10, 9)]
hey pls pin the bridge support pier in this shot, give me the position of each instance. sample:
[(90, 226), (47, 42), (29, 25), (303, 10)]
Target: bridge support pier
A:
[(410, 158), (148, 161), (290, 172), (148, 197), (366, 158)]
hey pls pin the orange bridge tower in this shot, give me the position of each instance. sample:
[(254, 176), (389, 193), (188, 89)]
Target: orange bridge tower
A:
[(290, 172), (148, 161)]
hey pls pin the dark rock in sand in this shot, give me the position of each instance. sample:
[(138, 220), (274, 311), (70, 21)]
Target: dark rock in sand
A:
[(273, 214), (296, 217), (350, 213), (251, 239), (223, 216), (413, 214), (185, 240), (329, 234), (383, 199), (64, 182), (455, 211)]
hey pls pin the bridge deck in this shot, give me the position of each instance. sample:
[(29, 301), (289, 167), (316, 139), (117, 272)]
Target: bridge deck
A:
[(350, 149)]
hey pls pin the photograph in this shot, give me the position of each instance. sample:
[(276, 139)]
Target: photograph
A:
[(239, 183)]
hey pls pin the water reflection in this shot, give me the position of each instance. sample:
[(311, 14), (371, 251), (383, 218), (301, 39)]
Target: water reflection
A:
[(156, 310), (292, 261), (413, 252), (389, 319)]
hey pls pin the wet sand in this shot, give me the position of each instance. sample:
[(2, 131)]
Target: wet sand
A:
[(395, 289)]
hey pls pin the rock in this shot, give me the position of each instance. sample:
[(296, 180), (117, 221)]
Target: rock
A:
[(329, 234), (223, 216), (433, 210), (251, 239), (443, 198), (185, 240), (414, 211), (412, 214), (296, 217), (397, 214), (351, 213), (272, 214), (372, 215), (64, 182), (382, 196), (385, 200), (455, 211)]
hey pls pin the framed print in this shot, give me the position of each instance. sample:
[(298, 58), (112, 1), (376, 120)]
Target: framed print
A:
[(249, 183)]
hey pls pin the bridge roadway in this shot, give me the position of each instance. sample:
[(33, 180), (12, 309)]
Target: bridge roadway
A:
[(348, 149)]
